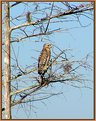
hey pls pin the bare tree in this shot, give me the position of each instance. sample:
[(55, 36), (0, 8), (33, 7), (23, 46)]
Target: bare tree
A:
[(62, 69), (7, 98)]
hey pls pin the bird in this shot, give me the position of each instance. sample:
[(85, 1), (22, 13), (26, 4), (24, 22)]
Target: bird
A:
[(28, 17), (43, 61)]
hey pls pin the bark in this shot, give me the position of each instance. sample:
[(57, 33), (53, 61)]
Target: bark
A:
[(7, 98)]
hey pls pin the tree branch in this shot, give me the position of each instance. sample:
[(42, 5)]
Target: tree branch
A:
[(16, 3), (68, 12), (23, 97)]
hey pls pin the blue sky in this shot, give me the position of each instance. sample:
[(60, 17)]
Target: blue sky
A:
[(72, 103)]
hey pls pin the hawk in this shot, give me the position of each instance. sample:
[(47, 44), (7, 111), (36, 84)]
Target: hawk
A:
[(43, 60)]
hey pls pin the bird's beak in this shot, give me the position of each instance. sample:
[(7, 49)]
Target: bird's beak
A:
[(50, 46)]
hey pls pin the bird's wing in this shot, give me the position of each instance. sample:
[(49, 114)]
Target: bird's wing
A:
[(43, 61)]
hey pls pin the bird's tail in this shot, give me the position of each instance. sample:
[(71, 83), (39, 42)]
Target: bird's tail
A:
[(41, 79)]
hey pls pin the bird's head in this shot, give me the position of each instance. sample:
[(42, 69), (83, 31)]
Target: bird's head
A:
[(47, 46)]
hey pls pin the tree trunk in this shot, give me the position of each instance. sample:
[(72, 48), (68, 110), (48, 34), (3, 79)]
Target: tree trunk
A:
[(7, 98)]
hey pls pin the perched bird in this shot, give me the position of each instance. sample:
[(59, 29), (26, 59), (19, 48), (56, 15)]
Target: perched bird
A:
[(43, 61), (28, 17)]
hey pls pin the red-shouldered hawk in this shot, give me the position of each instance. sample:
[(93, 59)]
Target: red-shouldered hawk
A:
[(44, 60)]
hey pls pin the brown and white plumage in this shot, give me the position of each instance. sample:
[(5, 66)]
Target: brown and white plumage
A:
[(43, 60)]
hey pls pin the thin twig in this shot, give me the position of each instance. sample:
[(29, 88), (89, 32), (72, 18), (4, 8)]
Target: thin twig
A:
[(49, 19)]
